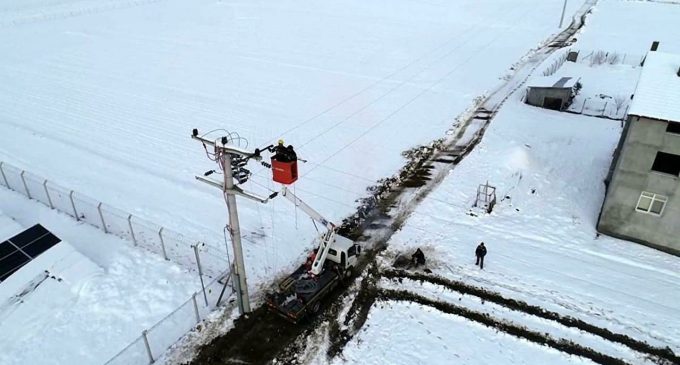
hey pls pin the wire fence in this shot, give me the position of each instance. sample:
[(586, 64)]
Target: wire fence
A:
[(602, 57), (154, 341), (593, 58), (615, 108), (556, 64), (171, 245), (207, 260)]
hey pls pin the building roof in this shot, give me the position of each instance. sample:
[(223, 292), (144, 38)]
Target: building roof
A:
[(658, 90), (558, 82)]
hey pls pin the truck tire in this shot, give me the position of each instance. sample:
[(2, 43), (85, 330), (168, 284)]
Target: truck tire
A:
[(348, 273), (315, 307)]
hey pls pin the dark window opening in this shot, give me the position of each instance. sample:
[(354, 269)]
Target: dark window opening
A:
[(552, 103), (667, 163), (332, 252), (352, 251), (673, 128)]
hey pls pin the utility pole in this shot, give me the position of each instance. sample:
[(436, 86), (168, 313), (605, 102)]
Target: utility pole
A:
[(564, 8), (231, 160)]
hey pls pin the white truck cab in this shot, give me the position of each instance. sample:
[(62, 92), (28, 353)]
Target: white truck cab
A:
[(344, 252)]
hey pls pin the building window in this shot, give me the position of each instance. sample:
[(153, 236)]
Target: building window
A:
[(667, 163), (673, 127), (651, 203)]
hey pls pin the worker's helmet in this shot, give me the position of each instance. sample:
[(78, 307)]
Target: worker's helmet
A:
[(280, 141)]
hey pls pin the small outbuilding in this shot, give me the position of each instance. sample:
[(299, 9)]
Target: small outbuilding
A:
[(552, 92)]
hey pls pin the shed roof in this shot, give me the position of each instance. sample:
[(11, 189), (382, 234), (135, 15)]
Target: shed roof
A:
[(658, 90), (558, 82)]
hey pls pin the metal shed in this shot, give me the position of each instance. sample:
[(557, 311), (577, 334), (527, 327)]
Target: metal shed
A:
[(551, 92)]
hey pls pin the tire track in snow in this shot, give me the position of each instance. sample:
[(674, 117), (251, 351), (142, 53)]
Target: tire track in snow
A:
[(60, 14), (520, 306)]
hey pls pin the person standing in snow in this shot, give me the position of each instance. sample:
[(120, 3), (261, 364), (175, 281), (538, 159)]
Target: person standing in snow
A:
[(418, 258), (480, 252)]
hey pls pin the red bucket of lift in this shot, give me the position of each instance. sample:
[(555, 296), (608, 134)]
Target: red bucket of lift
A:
[(284, 172)]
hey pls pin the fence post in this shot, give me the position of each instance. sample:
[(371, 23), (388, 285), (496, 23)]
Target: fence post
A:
[(198, 316), (605, 108), (160, 235), (47, 192), (148, 347), (132, 232), (73, 204), (200, 272), (3, 175), (28, 193), (99, 208)]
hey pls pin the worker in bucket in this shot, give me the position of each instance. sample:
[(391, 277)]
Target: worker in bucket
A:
[(283, 153), (480, 252)]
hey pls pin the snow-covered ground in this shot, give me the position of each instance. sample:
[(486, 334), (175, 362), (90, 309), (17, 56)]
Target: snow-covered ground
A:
[(408, 333), (107, 293), (102, 98), (630, 27), (8, 227), (543, 248), (548, 168)]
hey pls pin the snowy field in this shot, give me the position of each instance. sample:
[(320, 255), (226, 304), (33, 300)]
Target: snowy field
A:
[(543, 248), (108, 292), (102, 98), (631, 26), (439, 338)]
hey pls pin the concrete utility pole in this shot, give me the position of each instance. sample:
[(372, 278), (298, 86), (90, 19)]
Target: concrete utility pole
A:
[(231, 157), (564, 9)]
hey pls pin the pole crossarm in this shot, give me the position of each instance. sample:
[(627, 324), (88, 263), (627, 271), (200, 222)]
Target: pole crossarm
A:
[(235, 190), (222, 145)]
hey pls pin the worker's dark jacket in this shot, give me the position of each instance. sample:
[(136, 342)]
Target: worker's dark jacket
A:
[(284, 154), (480, 251)]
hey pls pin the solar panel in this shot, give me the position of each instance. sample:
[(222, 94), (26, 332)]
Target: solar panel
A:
[(24, 247)]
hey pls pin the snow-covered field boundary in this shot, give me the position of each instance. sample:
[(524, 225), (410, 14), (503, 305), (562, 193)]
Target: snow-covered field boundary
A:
[(168, 243), (63, 11)]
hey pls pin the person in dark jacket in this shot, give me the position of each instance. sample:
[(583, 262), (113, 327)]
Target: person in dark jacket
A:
[(418, 258), (281, 152), (480, 252)]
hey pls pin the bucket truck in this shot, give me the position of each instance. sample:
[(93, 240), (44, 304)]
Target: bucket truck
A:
[(328, 265)]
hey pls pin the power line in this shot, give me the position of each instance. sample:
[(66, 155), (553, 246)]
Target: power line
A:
[(381, 80)]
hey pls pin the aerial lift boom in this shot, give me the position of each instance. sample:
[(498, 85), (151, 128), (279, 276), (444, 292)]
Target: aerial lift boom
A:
[(326, 239)]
